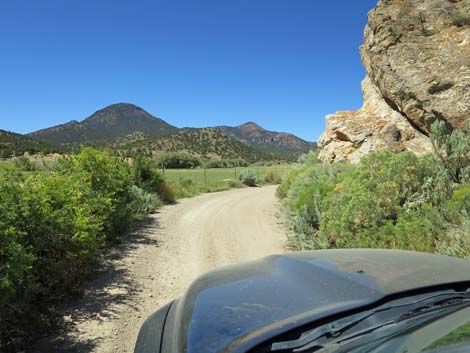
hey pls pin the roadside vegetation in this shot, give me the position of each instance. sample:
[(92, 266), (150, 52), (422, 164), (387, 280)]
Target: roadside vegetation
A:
[(388, 200), (58, 219), (461, 19), (55, 224), (248, 177)]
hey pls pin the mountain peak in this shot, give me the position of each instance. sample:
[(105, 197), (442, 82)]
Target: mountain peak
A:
[(257, 136), (250, 123), (250, 127), (113, 121), (122, 106), (120, 111)]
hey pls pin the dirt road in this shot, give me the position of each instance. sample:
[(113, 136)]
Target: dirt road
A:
[(175, 246)]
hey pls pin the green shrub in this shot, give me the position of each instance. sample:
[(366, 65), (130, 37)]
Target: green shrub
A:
[(61, 235), (284, 187), (233, 183), (458, 206), (178, 161), (23, 163), (457, 241), (452, 151), (461, 19), (388, 200), (225, 163), (248, 177), (272, 178), (16, 260), (55, 225), (146, 174), (143, 202), (148, 177), (106, 179), (166, 193), (310, 200), (419, 230)]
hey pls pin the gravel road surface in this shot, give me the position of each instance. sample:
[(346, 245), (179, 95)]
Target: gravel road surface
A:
[(171, 249)]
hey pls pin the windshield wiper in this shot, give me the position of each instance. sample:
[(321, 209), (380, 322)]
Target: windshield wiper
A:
[(395, 314)]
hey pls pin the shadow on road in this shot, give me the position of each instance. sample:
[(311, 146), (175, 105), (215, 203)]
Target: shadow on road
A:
[(109, 286)]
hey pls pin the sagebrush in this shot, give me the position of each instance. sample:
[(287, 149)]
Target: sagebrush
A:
[(388, 200), (248, 177)]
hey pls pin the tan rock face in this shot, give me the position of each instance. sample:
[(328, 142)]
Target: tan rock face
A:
[(417, 58), (376, 126)]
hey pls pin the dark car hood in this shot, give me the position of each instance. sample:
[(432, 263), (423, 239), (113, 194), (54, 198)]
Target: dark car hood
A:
[(235, 308)]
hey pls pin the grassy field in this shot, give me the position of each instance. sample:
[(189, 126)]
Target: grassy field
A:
[(190, 182), (4, 164)]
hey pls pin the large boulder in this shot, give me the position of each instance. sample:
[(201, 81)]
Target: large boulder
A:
[(417, 58)]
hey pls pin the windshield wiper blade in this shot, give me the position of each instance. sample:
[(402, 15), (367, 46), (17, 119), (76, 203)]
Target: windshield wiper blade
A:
[(331, 329), (367, 340), (337, 328)]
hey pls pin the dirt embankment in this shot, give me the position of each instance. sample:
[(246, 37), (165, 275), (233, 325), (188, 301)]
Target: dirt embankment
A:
[(175, 246)]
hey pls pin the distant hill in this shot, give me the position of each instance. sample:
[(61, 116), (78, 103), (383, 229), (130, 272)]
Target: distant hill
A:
[(128, 123), (281, 142), (12, 144), (105, 125), (208, 143)]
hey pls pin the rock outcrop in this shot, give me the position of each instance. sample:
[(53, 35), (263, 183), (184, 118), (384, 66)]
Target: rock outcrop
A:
[(417, 58)]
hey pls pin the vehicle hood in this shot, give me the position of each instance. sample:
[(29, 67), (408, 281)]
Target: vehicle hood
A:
[(235, 308)]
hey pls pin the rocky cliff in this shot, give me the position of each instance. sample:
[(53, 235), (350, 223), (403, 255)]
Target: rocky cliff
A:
[(417, 58)]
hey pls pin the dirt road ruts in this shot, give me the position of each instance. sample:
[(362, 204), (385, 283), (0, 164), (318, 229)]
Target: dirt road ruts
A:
[(171, 249)]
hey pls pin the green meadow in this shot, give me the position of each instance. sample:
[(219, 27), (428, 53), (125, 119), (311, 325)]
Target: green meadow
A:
[(4, 164), (190, 182)]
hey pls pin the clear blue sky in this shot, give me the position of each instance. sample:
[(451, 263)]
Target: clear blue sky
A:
[(282, 63)]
